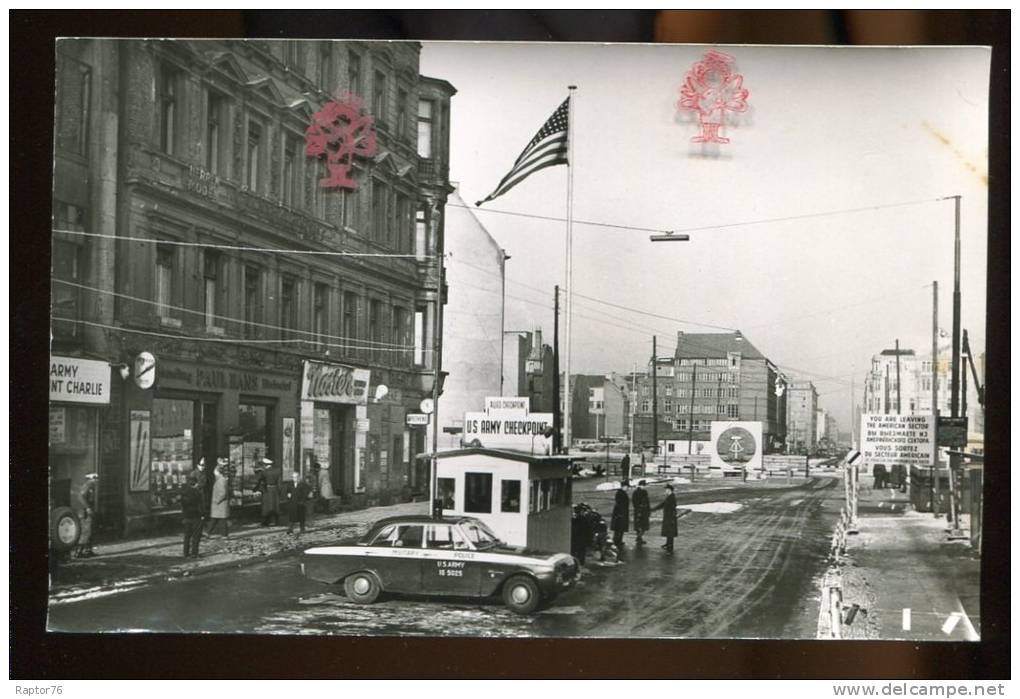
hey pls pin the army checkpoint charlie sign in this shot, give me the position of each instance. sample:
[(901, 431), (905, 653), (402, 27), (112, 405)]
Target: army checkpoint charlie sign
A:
[(506, 424), (736, 445), (897, 439)]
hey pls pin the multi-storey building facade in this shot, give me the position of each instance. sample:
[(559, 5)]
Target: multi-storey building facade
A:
[(802, 416), (472, 319), (712, 377), (190, 224)]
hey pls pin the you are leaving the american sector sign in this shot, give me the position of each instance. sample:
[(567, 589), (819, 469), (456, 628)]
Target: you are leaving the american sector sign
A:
[(897, 439)]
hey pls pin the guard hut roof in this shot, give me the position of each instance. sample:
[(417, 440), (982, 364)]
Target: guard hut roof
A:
[(506, 454)]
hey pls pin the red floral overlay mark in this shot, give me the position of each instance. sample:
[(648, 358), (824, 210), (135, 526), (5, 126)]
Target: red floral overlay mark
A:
[(341, 130), (711, 89)]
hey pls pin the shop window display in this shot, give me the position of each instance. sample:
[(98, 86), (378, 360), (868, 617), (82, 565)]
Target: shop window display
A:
[(173, 446), (253, 426)]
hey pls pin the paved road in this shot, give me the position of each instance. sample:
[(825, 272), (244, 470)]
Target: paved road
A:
[(748, 572)]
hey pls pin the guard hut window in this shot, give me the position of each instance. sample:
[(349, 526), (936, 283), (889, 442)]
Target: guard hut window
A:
[(425, 128), (510, 496), (478, 492), (447, 489)]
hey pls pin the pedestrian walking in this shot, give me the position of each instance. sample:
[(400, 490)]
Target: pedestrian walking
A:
[(219, 506), (642, 512), (625, 466), (204, 486), (191, 509), (297, 497), (620, 521), (268, 484), (325, 485), (668, 507), (87, 495)]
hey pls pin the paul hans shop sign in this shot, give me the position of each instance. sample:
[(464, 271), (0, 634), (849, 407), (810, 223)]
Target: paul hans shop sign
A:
[(74, 380), (334, 383)]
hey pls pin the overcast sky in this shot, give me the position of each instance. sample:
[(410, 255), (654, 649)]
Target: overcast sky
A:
[(827, 130)]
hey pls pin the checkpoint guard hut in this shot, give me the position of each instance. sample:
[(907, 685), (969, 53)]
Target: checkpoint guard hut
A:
[(524, 498), (505, 476)]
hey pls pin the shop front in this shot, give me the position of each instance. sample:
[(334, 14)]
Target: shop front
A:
[(196, 411), (334, 426), (80, 392)]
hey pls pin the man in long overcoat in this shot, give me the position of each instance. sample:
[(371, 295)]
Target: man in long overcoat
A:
[(642, 511), (298, 495), (620, 521), (269, 485), (668, 507), (192, 509)]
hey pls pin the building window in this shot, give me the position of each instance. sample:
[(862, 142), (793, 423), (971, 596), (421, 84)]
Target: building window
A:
[(346, 208), (252, 300), (734, 392), (350, 329), (398, 329), (419, 336), (167, 98), (288, 307), (254, 148), (392, 220), (290, 170), (354, 73), (379, 98), (425, 128), (668, 406), (165, 255), (74, 90), (401, 113), (375, 325), (326, 79), (320, 313), (477, 492), (215, 120), (420, 235), (646, 406), (733, 411), (211, 286), (67, 267), (379, 211)]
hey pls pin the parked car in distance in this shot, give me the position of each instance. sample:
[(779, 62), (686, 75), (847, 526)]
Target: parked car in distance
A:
[(452, 556)]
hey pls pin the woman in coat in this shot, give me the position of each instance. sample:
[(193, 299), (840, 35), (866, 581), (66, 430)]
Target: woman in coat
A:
[(668, 507), (219, 508)]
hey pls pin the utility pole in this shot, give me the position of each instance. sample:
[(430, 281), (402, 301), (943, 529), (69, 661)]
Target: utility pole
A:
[(437, 357), (885, 392), (502, 314), (655, 400), (633, 400), (694, 387), (935, 396), (853, 411), (954, 459), (557, 434), (898, 410), (718, 397)]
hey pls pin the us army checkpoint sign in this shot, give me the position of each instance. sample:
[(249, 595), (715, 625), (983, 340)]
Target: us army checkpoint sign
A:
[(736, 445)]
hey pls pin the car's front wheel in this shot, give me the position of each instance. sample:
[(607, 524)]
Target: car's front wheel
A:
[(521, 595), (362, 588)]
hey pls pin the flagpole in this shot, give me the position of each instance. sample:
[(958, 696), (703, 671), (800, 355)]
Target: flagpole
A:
[(568, 393)]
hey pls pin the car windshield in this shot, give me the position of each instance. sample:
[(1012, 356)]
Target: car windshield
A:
[(479, 535)]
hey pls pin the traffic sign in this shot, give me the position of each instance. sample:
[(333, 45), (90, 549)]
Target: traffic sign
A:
[(952, 431), (853, 457), (417, 419)]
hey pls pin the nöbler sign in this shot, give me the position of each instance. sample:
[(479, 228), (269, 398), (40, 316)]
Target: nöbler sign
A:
[(334, 383)]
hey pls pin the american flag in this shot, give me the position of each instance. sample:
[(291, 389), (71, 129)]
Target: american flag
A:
[(548, 147)]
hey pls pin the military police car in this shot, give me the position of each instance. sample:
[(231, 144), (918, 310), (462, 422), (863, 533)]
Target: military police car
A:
[(455, 556)]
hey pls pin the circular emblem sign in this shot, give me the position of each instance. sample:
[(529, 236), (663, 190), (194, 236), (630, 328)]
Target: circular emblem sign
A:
[(145, 370), (736, 446)]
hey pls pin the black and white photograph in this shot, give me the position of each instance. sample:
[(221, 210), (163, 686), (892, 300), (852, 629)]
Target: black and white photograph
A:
[(517, 340)]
